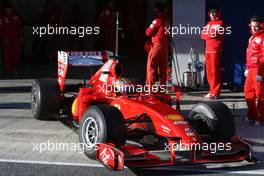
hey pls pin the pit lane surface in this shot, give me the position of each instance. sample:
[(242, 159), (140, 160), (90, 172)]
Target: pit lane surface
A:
[(21, 137)]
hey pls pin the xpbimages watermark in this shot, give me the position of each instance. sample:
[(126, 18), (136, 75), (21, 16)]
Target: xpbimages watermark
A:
[(50, 146), (80, 31), (126, 88), (214, 30), (211, 147)]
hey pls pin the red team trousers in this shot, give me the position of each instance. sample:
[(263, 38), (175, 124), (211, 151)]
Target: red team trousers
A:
[(213, 71), (12, 53), (157, 58), (254, 94)]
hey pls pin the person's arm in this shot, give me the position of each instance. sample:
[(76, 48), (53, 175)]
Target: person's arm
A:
[(1, 27), (152, 29), (19, 27), (205, 35), (219, 31), (261, 59)]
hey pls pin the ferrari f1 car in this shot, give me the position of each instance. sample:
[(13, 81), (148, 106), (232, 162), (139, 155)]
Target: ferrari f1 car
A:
[(121, 126)]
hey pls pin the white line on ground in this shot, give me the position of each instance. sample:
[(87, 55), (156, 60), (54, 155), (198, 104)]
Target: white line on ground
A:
[(251, 172), (49, 163)]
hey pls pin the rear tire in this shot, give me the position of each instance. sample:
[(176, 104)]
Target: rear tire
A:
[(45, 99), (213, 119), (101, 124)]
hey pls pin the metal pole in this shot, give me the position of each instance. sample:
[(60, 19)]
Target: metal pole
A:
[(116, 37), (192, 54)]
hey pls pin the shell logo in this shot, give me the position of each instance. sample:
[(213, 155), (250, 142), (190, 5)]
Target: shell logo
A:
[(174, 117)]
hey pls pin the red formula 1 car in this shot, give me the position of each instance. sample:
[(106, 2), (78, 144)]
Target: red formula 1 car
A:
[(122, 124)]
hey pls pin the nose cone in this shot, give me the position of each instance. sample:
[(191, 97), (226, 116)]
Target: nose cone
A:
[(187, 134)]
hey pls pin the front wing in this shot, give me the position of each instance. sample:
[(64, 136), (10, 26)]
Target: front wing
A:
[(134, 157)]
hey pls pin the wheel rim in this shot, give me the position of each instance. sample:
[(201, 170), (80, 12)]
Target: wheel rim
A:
[(34, 99), (90, 132)]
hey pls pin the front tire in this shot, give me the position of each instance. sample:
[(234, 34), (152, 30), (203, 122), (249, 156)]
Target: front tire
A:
[(212, 119), (101, 124)]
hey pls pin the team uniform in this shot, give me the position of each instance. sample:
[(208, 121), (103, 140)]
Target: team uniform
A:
[(253, 89), (107, 23), (213, 54), (158, 54), (11, 32)]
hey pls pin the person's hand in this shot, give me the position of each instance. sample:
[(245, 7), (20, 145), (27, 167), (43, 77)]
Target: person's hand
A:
[(246, 73), (259, 78), (122, 35)]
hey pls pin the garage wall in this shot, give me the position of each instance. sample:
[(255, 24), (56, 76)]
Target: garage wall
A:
[(188, 13)]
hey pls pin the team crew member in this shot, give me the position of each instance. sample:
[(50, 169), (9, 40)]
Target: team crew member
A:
[(11, 33), (107, 23), (254, 85), (213, 37), (158, 54), (76, 20)]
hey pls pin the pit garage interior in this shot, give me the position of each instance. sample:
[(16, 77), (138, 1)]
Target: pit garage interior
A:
[(135, 17), (236, 15)]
